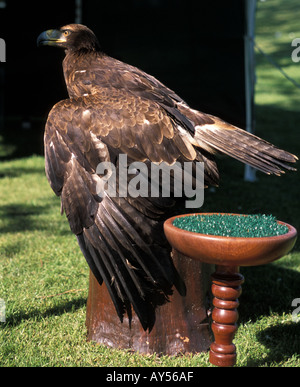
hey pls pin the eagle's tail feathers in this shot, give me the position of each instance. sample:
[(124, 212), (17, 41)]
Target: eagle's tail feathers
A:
[(246, 148)]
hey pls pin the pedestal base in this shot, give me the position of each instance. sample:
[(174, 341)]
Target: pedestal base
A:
[(226, 288), (181, 325), (228, 253)]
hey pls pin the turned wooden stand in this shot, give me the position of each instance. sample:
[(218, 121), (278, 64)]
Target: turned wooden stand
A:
[(227, 253), (226, 288)]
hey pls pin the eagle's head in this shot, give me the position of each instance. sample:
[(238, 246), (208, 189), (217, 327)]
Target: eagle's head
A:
[(73, 37)]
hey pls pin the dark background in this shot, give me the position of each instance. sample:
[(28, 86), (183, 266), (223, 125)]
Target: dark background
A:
[(194, 47)]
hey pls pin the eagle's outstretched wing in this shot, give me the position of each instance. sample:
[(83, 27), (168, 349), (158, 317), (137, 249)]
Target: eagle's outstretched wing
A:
[(121, 237)]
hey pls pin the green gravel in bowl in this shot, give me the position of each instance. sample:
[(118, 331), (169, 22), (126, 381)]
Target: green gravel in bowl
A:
[(230, 225)]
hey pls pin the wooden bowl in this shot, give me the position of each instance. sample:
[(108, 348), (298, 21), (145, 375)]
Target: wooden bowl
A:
[(229, 251)]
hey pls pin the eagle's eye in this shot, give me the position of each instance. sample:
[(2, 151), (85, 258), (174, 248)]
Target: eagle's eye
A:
[(66, 32)]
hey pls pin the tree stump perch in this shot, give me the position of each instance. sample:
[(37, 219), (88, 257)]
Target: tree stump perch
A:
[(182, 325)]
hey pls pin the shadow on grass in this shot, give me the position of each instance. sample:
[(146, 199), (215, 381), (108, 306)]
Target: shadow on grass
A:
[(15, 319), (20, 217), (16, 172), (271, 289), (27, 217), (268, 288), (281, 340)]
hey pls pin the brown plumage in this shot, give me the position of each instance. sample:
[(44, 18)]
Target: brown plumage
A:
[(113, 109)]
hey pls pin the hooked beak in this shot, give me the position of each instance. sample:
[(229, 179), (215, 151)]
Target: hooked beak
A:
[(51, 38)]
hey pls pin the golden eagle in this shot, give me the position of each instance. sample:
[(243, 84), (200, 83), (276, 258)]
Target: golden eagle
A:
[(115, 109)]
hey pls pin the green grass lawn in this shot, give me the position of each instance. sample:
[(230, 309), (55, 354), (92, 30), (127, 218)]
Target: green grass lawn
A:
[(44, 277)]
